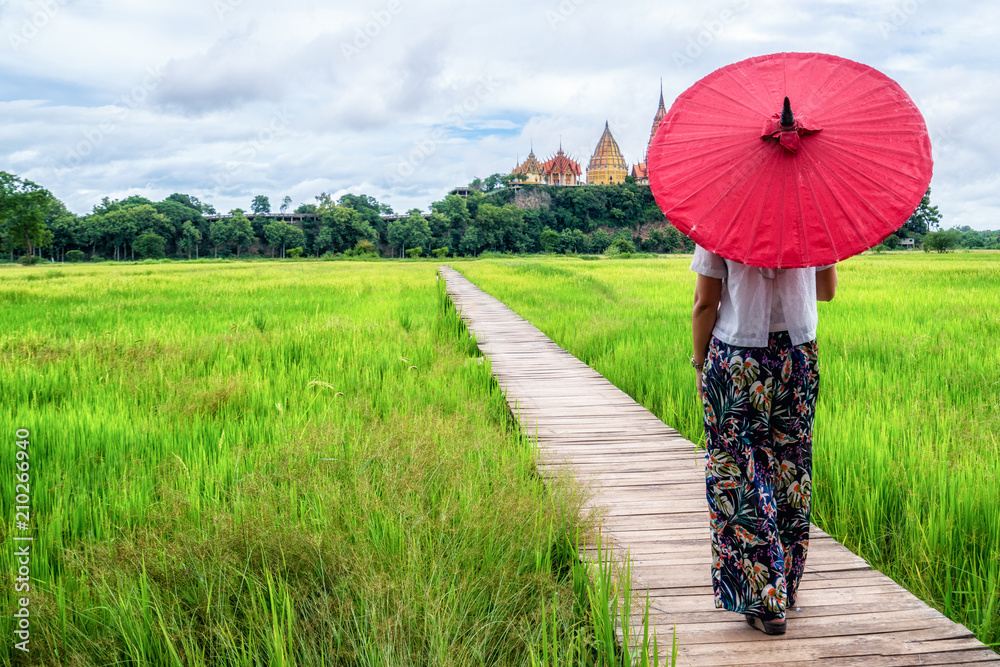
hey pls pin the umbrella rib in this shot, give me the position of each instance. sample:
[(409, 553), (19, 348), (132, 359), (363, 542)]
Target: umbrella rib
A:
[(759, 173), (706, 106), (860, 198), (720, 177), (847, 86), (834, 149), (760, 91), (822, 87), (842, 103), (892, 105), (879, 149), (682, 157), (750, 94), (876, 185), (781, 226), (802, 221), (732, 99), (819, 209), (760, 216)]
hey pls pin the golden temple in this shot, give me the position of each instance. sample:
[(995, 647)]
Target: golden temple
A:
[(607, 164)]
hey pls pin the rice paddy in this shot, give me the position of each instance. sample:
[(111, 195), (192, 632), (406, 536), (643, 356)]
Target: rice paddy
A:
[(281, 464), (907, 439)]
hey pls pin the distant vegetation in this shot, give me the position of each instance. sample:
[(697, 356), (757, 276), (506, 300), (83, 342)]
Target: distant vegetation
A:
[(493, 218)]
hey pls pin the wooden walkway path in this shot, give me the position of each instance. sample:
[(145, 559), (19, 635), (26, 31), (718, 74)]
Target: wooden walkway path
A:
[(651, 484)]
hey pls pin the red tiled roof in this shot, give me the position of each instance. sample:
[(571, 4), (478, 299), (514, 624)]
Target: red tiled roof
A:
[(560, 164)]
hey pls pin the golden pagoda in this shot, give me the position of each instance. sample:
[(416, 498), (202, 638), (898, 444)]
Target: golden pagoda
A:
[(607, 166), (639, 171), (529, 171)]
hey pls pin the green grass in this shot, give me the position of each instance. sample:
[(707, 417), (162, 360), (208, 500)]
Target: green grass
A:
[(907, 440), (284, 464)]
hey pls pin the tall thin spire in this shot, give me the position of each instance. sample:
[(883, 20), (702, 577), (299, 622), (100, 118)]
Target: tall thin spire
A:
[(662, 106)]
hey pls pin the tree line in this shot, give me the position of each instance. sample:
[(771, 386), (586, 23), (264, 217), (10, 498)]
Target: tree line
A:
[(491, 218)]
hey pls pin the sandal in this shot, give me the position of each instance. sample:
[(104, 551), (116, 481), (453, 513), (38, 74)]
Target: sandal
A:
[(767, 627)]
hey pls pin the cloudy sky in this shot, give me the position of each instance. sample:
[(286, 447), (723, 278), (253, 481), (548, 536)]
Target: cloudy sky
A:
[(403, 100)]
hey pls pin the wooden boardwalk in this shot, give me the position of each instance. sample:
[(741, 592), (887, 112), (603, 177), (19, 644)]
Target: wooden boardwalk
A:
[(650, 483)]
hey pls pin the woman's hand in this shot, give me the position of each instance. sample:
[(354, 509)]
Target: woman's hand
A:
[(699, 374)]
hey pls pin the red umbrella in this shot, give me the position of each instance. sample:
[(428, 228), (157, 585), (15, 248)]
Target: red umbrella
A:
[(790, 160)]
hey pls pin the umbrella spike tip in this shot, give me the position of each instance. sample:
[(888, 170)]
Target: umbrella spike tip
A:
[(787, 119)]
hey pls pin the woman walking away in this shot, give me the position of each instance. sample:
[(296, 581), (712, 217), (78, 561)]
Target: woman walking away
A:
[(754, 336)]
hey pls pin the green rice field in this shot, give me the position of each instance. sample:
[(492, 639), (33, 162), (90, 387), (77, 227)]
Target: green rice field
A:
[(907, 439), (282, 463), (306, 463)]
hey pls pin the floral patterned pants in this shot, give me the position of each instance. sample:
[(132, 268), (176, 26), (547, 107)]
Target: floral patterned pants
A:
[(759, 410)]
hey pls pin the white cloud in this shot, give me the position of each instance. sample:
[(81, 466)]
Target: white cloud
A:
[(452, 89)]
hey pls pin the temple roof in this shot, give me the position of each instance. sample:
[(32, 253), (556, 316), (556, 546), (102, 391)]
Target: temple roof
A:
[(660, 113), (529, 166), (561, 164), (639, 170), (607, 155)]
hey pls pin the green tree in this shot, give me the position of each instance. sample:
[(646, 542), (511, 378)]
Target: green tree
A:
[(495, 182), (925, 218), (942, 241), (189, 239), (65, 228), (261, 204), (241, 232), (119, 230), (500, 227), (341, 229), (192, 202), (471, 243), (91, 231), (454, 209), (621, 245), (275, 233), (24, 206), (573, 240), (296, 239), (150, 246), (147, 220), (408, 232), (218, 234), (285, 203), (178, 215), (549, 240), (673, 240), (370, 209), (599, 241)]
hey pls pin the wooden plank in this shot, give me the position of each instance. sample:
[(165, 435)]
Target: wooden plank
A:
[(646, 486)]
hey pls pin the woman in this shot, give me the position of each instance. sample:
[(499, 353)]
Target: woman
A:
[(754, 336)]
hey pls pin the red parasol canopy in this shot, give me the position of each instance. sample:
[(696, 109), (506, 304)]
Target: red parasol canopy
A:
[(790, 160)]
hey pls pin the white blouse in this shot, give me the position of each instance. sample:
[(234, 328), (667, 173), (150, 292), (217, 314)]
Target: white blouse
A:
[(757, 301)]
